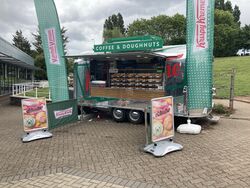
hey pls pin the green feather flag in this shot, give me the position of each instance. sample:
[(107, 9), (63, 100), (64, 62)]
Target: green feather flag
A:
[(50, 32), (200, 34)]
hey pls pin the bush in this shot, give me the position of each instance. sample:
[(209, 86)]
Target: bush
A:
[(220, 109)]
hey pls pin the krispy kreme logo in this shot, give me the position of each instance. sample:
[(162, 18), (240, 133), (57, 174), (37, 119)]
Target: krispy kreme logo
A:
[(63, 113), (51, 37), (201, 25), (33, 108)]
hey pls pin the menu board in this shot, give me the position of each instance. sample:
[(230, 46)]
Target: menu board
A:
[(34, 114), (162, 125)]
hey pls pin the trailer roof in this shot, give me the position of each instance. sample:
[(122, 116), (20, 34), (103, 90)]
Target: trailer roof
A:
[(117, 56), (166, 51)]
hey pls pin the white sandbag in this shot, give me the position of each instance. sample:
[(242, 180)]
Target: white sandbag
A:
[(189, 128)]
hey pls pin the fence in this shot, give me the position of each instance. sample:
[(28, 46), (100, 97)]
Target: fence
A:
[(33, 89), (224, 84)]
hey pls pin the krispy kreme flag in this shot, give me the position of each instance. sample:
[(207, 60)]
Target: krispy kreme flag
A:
[(200, 30), (51, 36)]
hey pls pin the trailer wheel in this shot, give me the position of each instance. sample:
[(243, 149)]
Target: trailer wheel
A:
[(135, 116), (119, 115)]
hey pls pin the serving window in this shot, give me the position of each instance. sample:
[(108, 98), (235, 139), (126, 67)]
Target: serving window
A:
[(140, 74)]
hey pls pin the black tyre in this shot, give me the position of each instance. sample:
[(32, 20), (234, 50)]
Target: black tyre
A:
[(135, 116), (119, 115)]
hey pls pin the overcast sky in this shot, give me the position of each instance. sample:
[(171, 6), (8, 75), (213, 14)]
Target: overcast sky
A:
[(84, 18)]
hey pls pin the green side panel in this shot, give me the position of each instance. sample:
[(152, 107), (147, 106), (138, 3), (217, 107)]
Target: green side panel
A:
[(82, 78), (200, 33), (50, 32), (62, 112)]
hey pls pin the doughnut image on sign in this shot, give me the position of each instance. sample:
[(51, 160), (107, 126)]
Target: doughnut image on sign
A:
[(157, 129), (162, 118), (40, 119), (29, 121)]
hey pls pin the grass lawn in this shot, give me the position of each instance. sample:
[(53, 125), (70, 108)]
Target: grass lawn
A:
[(222, 70), (41, 92)]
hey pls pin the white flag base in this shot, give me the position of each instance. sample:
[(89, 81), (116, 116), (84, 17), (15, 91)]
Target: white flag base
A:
[(36, 135), (189, 128), (163, 147)]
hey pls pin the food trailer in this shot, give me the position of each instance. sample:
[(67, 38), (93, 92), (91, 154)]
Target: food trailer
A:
[(124, 74)]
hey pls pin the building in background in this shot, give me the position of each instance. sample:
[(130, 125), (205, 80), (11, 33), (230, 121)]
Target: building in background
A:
[(15, 67)]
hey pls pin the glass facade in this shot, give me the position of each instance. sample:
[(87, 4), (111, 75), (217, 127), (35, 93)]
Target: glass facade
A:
[(12, 74), (15, 67)]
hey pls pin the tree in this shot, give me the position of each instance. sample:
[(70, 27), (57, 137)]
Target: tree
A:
[(178, 31), (222, 5), (40, 63), (39, 54), (219, 4), (113, 27), (236, 14), (228, 6), (114, 21), (223, 17), (226, 34), (171, 29), (227, 38), (39, 58), (245, 37), (120, 23), (112, 33), (65, 39), (108, 24), (38, 42), (21, 42), (139, 27)]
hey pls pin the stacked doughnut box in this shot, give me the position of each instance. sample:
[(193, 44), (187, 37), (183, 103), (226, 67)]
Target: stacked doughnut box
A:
[(136, 80)]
